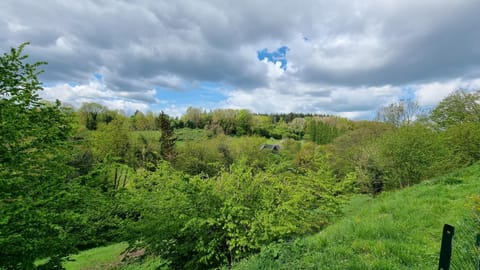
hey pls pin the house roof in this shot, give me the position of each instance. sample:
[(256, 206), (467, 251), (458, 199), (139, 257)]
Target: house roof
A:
[(273, 147)]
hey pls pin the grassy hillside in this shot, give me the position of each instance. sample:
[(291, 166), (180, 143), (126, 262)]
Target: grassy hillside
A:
[(397, 230)]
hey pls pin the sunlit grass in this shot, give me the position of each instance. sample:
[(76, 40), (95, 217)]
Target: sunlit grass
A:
[(97, 258)]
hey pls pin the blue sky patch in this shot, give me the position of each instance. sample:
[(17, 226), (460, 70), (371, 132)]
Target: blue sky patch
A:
[(280, 55), (98, 77)]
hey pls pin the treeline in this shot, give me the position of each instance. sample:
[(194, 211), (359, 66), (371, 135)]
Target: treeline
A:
[(198, 191), (318, 128)]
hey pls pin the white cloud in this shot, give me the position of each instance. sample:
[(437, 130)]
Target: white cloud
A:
[(16, 27), (96, 92), (349, 102), (430, 94)]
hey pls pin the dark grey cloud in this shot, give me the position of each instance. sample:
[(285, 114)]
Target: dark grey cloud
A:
[(436, 40)]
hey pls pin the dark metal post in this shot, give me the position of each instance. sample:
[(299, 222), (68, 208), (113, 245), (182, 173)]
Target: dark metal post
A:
[(446, 249), (478, 247)]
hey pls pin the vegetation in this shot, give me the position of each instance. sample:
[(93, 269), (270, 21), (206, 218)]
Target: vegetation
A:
[(200, 192), (397, 230)]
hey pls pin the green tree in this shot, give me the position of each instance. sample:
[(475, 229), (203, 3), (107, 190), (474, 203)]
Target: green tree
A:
[(194, 118), (411, 154), (43, 211), (463, 143), (262, 125), (225, 121), (167, 138), (457, 108), (90, 114), (33, 153), (321, 132), (347, 151), (244, 122), (200, 157), (111, 141)]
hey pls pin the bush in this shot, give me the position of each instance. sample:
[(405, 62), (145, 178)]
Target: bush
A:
[(410, 154)]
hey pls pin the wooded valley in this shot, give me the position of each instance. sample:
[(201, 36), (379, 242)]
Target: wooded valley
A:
[(206, 189)]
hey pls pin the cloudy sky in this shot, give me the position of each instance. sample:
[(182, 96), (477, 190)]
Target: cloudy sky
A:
[(342, 57)]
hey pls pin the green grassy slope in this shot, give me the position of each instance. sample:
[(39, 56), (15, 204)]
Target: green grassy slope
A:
[(96, 258), (397, 230)]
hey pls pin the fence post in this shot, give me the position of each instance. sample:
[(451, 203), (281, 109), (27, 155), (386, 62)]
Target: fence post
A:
[(478, 247), (446, 249)]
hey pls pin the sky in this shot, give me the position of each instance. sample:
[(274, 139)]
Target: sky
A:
[(340, 57)]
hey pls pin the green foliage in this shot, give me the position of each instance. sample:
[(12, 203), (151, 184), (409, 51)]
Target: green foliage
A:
[(201, 157), (200, 223), (410, 154), (397, 230), (44, 212), (147, 263), (351, 150), (92, 114), (168, 202), (244, 122), (188, 134), (111, 141), (145, 148), (267, 206), (141, 122), (167, 138), (195, 118), (321, 132), (463, 143), (457, 108), (262, 124), (33, 150)]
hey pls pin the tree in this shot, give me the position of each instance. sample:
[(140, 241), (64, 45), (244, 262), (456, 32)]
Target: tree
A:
[(348, 151), (167, 138), (411, 154), (463, 142), (33, 156), (225, 119), (90, 114), (321, 132), (44, 212), (194, 118), (244, 122), (457, 108), (400, 113), (112, 140)]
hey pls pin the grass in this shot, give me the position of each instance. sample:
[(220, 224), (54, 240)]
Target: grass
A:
[(149, 135), (99, 258), (188, 134), (397, 230)]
